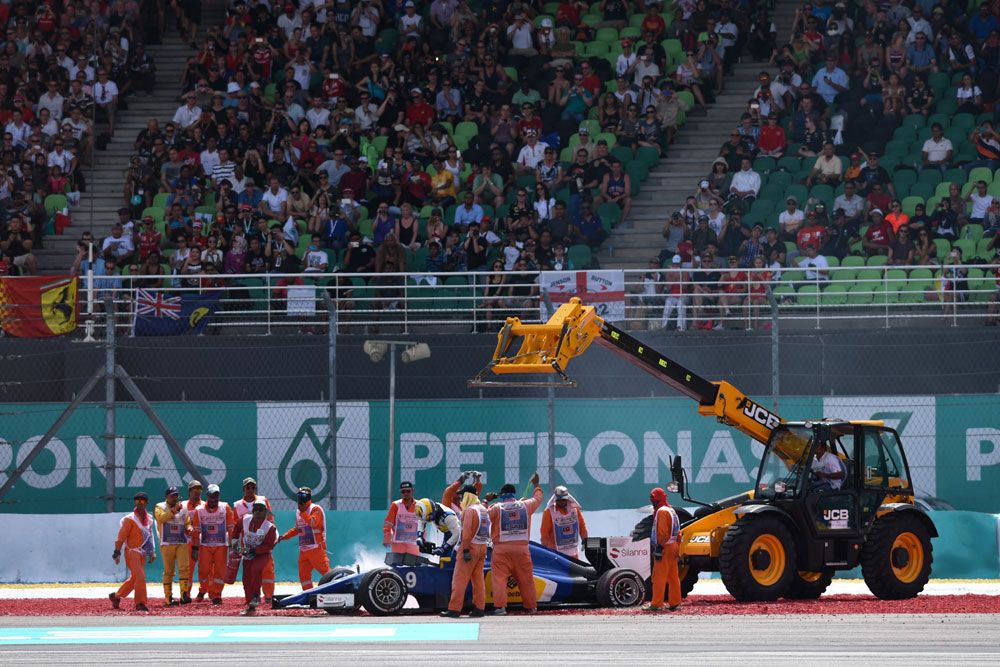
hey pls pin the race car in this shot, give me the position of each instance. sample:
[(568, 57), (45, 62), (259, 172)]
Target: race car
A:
[(617, 575)]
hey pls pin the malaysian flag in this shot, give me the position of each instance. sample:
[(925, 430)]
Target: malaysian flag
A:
[(159, 314)]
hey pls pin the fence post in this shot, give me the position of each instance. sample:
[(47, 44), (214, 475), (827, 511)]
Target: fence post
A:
[(775, 350), (110, 462), (331, 459)]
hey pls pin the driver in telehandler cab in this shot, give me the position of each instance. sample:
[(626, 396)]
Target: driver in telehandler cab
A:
[(827, 470)]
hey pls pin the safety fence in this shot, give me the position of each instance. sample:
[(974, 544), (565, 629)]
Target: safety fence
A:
[(682, 298)]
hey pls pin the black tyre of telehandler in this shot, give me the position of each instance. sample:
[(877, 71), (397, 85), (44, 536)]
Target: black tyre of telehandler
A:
[(809, 585), (896, 557), (757, 558)]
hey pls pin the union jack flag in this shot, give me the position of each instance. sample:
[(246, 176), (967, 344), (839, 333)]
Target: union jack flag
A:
[(156, 304)]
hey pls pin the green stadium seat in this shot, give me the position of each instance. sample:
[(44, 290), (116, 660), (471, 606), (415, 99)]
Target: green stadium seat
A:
[(859, 295), (983, 250), (853, 261), (910, 204), (967, 246), (835, 294), (808, 295), (877, 260), (580, 255)]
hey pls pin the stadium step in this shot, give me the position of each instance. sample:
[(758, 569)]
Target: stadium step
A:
[(638, 238), (106, 178)]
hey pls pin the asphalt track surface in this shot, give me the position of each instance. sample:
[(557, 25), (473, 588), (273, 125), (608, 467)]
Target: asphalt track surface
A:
[(822, 639)]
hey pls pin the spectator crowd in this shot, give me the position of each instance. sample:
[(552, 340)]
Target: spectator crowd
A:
[(872, 143), (425, 137), (66, 68)]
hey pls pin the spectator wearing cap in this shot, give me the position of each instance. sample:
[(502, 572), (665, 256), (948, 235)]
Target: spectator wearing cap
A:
[(188, 113), (879, 235), (419, 111), (626, 61), (772, 141), (531, 153), (676, 287), (811, 233), (815, 265)]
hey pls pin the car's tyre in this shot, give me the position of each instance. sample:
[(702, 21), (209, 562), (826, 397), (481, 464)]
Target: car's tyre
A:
[(757, 558), (382, 592), (809, 585), (896, 557), (335, 573), (689, 577), (620, 587)]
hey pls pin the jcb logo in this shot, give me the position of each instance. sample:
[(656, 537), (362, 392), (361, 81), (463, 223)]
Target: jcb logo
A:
[(836, 515), (760, 414)]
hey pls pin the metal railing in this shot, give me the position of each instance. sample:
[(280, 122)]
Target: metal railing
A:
[(740, 300)]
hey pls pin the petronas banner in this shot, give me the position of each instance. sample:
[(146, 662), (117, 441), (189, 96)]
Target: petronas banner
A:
[(608, 452)]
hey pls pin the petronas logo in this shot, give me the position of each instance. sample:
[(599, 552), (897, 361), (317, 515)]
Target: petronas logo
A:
[(307, 459)]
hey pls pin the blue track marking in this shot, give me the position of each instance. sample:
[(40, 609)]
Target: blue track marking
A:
[(241, 634)]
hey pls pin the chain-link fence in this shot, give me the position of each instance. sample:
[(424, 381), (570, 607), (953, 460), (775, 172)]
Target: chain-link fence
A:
[(262, 406)]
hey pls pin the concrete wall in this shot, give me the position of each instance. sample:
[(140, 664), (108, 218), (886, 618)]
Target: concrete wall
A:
[(966, 549)]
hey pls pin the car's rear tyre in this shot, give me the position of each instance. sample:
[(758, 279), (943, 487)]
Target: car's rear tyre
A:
[(809, 585), (382, 592), (896, 557), (757, 558), (335, 573), (620, 587)]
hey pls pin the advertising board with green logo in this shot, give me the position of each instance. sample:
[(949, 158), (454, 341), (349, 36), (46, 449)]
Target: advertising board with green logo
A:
[(609, 452)]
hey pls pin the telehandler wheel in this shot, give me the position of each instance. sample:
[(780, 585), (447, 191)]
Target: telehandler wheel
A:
[(689, 577), (809, 585), (757, 558), (896, 557)]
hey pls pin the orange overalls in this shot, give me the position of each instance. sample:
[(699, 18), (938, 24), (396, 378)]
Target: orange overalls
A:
[(475, 537), (310, 526), (511, 529), (450, 497), (211, 535), (191, 507), (400, 528), (242, 507), (666, 533), (137, 537), (563, 530)]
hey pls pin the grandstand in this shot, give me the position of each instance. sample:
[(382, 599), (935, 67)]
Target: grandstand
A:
[(373, 106)]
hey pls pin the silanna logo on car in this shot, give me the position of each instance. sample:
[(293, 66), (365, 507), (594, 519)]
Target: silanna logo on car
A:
[(760, 414), (627, 552)]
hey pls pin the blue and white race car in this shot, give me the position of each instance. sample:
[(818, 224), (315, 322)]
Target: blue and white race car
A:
[(616, 576)]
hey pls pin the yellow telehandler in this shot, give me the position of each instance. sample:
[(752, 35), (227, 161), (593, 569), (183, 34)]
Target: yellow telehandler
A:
[(830, 494)]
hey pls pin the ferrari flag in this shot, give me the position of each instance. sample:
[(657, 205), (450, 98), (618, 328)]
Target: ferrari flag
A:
[(38, 306)]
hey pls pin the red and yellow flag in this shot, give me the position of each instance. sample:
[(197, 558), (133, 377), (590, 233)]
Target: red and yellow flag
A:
[(38, 306)]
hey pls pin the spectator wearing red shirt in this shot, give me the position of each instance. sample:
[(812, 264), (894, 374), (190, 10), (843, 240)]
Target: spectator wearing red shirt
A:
[(356, 180), (149, 238), (811, 233), (419, 111), (529, 121), (568, 13), (878, 198), (334, 87), (879, 235), (772, 141), (654, 23), (591, 81), (417, 185)]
